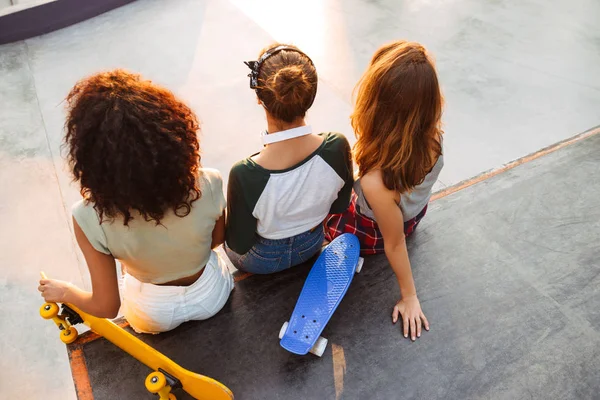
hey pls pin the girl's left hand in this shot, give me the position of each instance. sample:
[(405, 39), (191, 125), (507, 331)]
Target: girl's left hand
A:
[(409, 309), (54, 291)]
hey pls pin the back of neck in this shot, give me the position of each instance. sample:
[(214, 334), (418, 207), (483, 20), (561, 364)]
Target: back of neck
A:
[(277, 125)]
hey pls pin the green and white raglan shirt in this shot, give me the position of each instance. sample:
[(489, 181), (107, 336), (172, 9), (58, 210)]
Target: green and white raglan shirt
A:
[(284, 203)]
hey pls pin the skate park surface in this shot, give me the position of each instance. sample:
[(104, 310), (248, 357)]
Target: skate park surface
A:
[(505, 268), (508, 268)]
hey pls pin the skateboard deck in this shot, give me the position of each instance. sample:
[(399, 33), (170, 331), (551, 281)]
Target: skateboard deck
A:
[(323, 290), (167, 373)]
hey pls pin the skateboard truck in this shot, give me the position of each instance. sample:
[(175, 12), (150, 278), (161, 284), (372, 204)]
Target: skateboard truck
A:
[(71, 315), (161, 383), (64, 321)]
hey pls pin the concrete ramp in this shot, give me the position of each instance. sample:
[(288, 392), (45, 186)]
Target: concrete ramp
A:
[(508, 273)]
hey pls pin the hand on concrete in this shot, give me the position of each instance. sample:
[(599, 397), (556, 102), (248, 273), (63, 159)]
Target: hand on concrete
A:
[(53, 290), (412, 316)]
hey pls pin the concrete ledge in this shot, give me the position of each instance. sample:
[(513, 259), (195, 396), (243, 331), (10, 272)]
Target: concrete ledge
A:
[(47, 17)]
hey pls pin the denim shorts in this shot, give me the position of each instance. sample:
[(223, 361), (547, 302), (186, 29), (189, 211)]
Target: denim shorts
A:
[(268, 256)]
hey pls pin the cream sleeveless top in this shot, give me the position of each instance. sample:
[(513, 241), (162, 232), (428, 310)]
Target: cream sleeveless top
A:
[(177, 248)]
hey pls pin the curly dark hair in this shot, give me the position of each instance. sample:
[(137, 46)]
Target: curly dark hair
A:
[(132, 145)]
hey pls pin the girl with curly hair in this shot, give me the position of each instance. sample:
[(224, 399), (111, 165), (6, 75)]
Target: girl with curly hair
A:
[(278, 198), (397, 122), (147, 202)]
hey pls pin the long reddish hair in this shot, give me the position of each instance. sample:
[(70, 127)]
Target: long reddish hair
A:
[(397, 116)]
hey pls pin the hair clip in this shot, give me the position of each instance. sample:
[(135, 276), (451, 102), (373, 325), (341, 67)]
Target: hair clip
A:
[(253, 75), (251, 64)]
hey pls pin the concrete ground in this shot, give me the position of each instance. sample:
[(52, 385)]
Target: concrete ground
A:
[(508, 276), (517, 76)]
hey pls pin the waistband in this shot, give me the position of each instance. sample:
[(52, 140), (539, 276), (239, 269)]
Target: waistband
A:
[(133, 284), (291, 238)]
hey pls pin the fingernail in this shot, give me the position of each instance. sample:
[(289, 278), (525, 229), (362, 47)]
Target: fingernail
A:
[(405, 335)]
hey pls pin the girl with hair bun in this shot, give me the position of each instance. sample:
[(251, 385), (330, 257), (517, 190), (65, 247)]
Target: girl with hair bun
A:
[(278, 198)]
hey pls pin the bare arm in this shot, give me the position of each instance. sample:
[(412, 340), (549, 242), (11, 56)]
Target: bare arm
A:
[(391, 224), (218, 233), (103, 301)]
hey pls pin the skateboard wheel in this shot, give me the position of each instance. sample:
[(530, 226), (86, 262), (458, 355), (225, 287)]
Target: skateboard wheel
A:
[(319, 348), (283, 329), (155, 382), (360, 264), (49, 310), (68, 335)]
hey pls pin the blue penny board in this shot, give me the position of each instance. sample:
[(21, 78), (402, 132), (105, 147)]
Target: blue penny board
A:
[(325, 286)]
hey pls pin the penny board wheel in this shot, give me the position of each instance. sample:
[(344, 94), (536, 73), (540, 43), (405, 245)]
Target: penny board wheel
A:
[(359, 266), (69, 335), (283, 329), (49, 310), (319, 347), (155, 382)]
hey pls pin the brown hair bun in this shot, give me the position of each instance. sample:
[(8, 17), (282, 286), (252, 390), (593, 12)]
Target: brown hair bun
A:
[(287, 84)]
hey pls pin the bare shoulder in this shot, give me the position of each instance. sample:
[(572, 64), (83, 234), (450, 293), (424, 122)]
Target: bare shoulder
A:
[(372, 186), (372, 182)]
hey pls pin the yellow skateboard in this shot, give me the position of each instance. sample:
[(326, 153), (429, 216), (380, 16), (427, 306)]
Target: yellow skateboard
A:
[(167, 374)]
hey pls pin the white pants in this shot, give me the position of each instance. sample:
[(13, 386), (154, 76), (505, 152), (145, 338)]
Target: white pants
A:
[(153, 308)]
